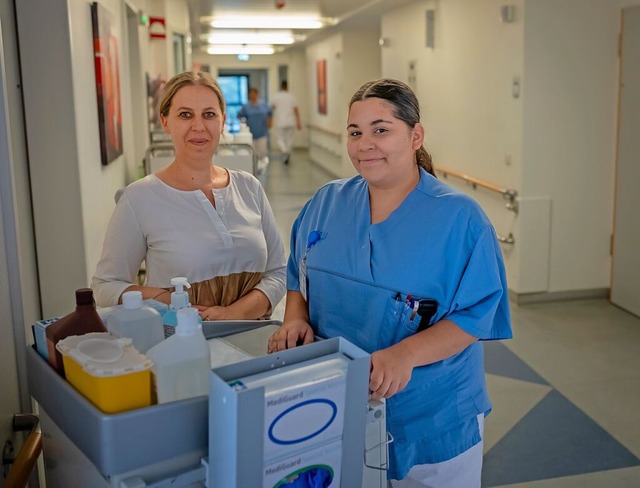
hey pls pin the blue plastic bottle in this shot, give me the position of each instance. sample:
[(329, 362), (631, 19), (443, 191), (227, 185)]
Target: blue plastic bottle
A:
[(179, 300)]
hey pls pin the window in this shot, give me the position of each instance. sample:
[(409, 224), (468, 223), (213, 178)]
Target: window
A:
[(234, 88)]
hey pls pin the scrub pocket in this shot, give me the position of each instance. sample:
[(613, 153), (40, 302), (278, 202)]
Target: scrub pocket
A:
[(397, 324), (423, 411)]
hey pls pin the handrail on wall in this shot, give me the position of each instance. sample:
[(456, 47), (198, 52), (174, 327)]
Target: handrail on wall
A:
[(507, 193), (506, 240)]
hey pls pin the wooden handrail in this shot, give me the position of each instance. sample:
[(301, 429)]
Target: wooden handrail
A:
[(506, 239), (507, 193), (20, 471)]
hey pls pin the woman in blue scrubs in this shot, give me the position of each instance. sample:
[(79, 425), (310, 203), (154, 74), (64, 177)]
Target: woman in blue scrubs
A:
[(410, 270)]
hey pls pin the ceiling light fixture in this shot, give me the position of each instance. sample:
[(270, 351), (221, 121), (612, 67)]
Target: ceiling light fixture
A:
[(268, 22), (240, 49), (238, 37)]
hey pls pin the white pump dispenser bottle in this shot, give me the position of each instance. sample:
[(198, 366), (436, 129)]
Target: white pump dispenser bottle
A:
[(179, 300), (181, 363)]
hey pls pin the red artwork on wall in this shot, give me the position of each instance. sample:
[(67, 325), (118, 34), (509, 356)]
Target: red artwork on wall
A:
[(105, 52), (321, 73)]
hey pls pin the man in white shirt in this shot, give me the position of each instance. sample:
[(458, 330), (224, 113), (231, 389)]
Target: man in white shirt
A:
[(286, 119)]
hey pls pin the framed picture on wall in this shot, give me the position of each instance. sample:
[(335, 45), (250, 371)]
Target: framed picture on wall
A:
[(321, 73), (107, 70)]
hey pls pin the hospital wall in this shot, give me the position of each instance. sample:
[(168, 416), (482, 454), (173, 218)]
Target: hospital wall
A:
[(68, 181), (15, 214), (551, 137), (18, 221), (569, 142), (351, 58)]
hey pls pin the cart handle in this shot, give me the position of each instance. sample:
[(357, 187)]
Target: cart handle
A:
[(20, 471)]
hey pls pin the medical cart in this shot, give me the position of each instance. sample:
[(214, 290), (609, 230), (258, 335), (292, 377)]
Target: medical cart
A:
[(168, 445)]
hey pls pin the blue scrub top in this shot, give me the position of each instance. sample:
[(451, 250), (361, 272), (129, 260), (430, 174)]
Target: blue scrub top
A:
[(257, 117), (437, 244)]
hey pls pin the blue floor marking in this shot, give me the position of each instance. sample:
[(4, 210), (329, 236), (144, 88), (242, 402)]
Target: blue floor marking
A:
[(554, 439)]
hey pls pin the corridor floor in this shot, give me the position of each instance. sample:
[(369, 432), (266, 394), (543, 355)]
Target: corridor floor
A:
[(565, 390)]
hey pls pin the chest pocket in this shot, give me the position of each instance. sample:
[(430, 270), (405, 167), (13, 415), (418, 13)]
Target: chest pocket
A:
[(404, 317), (371, 316)]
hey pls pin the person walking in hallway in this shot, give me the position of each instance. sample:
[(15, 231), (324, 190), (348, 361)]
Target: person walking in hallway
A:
[(287, 119), (258, 116)]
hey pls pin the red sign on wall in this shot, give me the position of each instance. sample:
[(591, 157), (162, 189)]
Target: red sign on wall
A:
[(157, 28)]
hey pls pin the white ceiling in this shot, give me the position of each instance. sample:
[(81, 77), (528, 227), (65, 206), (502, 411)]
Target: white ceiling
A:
[(347, 13)]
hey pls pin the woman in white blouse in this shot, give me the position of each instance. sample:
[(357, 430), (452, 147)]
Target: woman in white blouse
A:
[(210, 224)]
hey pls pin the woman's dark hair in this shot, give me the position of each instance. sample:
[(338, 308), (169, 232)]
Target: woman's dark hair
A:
[(405, 107)]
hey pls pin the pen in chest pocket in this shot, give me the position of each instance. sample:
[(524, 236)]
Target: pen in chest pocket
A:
[(426, 308), (413, 306)]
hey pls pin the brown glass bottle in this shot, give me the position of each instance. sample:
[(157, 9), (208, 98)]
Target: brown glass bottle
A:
[(83, 320)]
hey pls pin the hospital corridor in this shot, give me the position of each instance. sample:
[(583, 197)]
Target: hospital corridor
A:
[(133, 160), (565, 389)]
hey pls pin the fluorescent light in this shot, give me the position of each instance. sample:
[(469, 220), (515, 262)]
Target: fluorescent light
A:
[(239, 37), (239, 49), (267, 22)]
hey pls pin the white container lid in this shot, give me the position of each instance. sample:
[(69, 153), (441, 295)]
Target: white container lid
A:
[(132, 299), (103, 355)]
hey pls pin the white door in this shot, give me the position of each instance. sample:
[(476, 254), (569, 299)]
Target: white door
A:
[(625, 281)]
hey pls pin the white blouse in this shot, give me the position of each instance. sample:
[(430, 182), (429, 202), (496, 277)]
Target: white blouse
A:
[(180, 233)]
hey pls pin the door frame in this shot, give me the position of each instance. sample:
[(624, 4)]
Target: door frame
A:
[(620, 294)]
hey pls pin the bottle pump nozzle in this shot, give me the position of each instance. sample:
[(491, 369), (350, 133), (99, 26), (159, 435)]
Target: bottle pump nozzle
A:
[(180, 298)]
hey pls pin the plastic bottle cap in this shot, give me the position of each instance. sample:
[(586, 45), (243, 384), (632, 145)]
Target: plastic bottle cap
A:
[(132, 299), (84, 296), (187, 321)]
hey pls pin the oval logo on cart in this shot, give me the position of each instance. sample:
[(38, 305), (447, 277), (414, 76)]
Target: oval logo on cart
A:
[(302, 421)]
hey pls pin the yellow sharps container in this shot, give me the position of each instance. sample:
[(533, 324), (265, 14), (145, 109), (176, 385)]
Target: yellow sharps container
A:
[(107, 370)]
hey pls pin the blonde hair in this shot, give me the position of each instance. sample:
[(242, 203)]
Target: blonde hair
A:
[(188, 78)]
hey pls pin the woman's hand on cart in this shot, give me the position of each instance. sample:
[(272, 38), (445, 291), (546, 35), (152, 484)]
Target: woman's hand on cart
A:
[(290, 334)]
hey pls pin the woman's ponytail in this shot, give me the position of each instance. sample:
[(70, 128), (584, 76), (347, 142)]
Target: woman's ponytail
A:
[(423, 158)]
